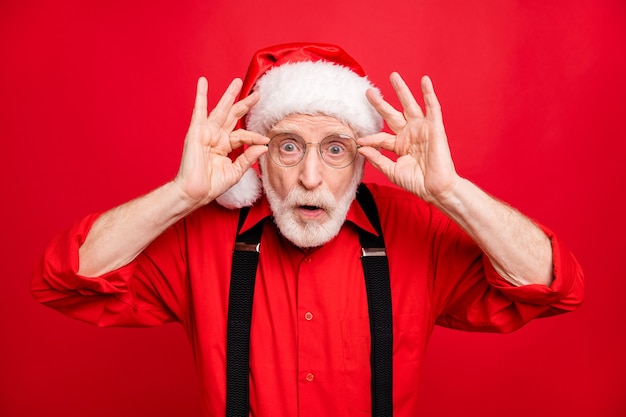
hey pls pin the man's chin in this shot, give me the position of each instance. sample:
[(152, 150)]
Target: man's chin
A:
[(307, 233), (311, 237)]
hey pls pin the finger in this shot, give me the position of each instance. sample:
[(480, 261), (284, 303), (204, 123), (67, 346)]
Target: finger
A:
[(221, 111), (240, 109), (431, 102), (395, 119), (249, 157), (200, 104), (409, 104), (242, 137), (244, 105), (379, 161), (380, 140)]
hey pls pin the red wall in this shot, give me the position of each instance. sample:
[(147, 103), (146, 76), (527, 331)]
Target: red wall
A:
[(95, 98)]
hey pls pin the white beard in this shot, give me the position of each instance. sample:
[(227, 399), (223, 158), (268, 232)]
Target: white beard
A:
[(311, 233)]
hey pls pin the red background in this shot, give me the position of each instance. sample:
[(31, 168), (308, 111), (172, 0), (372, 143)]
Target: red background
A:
[(95, 101)]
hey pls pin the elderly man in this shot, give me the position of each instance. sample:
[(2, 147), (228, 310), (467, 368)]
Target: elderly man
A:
[(305, 292)]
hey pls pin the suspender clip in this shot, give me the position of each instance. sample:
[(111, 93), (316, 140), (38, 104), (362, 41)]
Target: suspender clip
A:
[(247, 247), (373, 252)]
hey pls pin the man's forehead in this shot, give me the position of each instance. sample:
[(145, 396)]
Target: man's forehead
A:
[(309, 124)]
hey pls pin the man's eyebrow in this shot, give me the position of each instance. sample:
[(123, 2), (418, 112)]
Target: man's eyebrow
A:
[(285, 128), (293, 130), (284, 132)]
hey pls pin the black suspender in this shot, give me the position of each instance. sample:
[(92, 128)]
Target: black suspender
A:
[(242, 277), (376, 271)]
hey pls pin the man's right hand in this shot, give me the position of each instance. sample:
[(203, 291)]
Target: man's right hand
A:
[(206, 170)]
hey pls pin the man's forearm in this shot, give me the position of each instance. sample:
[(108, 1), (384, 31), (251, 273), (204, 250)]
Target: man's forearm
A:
[(120, 234), (518, 249)]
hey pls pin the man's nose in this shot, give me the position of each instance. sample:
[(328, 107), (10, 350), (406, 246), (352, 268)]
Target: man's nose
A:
[(310, 175)]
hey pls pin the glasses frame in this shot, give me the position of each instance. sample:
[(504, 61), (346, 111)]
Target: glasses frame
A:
[(319, 149)]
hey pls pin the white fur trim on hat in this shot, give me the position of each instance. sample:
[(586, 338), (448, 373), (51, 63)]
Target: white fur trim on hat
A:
[(314, 88), (244, 193)]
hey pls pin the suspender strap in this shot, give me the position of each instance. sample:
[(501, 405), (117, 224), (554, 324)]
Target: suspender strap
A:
[(376, 270), (243, 274)]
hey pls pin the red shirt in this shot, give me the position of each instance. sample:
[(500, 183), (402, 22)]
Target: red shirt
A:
[(310, 328)]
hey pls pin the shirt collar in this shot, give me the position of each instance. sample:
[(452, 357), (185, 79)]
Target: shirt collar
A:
[(261, 210)]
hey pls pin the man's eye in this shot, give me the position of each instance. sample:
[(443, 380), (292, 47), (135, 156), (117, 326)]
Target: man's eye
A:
[(335, 149), (289, 147)]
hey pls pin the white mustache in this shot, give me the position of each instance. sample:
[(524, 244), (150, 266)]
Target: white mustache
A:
[(323, 199)]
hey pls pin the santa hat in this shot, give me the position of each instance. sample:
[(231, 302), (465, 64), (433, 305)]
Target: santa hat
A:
[(301, 78)]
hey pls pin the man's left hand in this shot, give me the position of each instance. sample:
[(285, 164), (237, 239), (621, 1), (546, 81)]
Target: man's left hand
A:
[(424, 165)]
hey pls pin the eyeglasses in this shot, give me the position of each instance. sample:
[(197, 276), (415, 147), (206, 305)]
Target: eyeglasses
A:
[(288, 149)]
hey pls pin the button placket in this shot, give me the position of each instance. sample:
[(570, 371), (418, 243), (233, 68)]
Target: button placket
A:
[(309, 342)]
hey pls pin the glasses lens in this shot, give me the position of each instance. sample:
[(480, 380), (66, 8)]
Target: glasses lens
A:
[(286, 149), (338, 151)]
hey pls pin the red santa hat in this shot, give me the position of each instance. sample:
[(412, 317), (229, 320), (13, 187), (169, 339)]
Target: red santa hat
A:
[(301, 78)]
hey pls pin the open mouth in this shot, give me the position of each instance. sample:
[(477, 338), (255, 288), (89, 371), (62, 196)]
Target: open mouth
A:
[(310, 212)]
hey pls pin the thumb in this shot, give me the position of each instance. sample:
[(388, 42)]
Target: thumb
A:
[(379, 161), (249, 157)]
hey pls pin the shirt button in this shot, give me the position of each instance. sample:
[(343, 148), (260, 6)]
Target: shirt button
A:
[(308, 315), (307, 260), (310, 377)]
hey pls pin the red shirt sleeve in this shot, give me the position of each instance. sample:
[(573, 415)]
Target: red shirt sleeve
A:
[(124, 297), (565, 293), (470, 295)]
